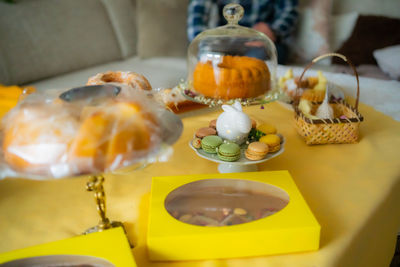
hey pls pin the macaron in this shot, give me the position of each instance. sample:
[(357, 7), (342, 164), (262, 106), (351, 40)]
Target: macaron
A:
[(213, 124), (229, 152), (266, 128), (210, 143), (205, 131), (256, 151), (273, 141), (196, 142)]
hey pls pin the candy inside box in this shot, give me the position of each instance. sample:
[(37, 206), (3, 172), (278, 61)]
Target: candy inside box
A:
[(231, 215)]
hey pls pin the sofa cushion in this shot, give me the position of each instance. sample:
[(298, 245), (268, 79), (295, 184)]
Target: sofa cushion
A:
[(162, 72), (388, 8), (43, 38), (122, 14), (311, 38), (388, 60), (162, 28), (370, 33), (341, 28)]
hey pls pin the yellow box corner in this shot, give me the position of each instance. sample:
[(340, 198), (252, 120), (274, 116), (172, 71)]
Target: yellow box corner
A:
[(110, 245)]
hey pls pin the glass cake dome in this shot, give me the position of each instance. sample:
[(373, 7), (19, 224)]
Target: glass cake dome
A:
[(231, 63)]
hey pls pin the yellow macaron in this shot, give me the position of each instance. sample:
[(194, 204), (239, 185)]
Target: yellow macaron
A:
[(273, 141), (256, 151), (267, 128)]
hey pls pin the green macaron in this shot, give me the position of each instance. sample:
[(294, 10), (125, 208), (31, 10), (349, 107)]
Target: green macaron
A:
[(210, 143), (229, 152)]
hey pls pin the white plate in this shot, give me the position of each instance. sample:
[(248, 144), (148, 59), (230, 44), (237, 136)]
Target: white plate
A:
[(241, 165)]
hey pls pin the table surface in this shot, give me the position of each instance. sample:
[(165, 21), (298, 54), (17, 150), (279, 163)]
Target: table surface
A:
[(352, 190)]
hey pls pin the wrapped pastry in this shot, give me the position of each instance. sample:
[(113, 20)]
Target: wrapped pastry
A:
[(52, 135)]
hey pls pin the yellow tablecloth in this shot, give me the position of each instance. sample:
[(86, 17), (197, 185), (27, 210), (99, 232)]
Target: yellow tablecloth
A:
[(351, 189)]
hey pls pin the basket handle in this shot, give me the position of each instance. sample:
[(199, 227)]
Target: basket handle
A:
[(331, 55)]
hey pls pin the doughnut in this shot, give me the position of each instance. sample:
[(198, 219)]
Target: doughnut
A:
[(133, 79)]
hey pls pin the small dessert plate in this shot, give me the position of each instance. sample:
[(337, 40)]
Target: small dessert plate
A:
[(241, 165)]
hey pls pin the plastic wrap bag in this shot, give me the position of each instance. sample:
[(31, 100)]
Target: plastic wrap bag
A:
[(86, 131), (224, 202)]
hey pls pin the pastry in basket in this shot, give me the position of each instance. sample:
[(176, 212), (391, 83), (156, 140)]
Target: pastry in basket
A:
[(233, 77), (57, 139), (310, 88), (313, 95), (322, 111), (306, 107)]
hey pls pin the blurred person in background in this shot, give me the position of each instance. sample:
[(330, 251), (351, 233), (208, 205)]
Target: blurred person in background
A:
[(274, 18)]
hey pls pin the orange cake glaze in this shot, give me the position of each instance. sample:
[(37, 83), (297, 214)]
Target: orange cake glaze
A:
[(234, 77)]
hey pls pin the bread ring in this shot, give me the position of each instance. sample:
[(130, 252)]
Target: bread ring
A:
[(133, 79)]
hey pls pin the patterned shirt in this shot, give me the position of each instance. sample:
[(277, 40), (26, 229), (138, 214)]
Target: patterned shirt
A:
[(280, 15)]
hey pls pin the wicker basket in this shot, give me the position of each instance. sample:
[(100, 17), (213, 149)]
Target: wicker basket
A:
[(330, 131)]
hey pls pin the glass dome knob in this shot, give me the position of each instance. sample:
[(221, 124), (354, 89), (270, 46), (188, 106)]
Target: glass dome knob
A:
[(233, 13)]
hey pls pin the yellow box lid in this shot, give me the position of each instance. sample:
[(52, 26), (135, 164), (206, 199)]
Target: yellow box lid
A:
[(292, 229)]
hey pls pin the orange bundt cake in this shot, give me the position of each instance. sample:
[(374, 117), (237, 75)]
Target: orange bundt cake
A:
[(233, 77)]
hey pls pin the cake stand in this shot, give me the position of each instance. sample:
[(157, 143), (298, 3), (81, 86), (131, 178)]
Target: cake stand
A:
[(172, 129), (190, 95), (241, 165)]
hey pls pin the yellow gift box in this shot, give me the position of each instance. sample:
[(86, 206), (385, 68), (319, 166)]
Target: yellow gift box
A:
[(292, 229), (108, 248)]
